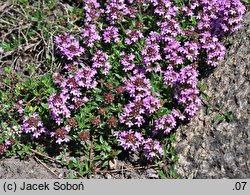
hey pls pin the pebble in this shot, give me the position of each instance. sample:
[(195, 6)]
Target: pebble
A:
[(108, 176), (152, 174)]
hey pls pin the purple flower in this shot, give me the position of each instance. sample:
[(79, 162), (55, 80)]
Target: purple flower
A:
[(138, 86), (127, 61), (214, 49), (100, 60), (165, 124), (174, 52), (58, 107), (61, 134), (188, 75), (190, 99), (68, 46), (90, 35), (152, 149), (133, 36), (110, 34), (4, 146), (151, 53), (170, 76), (151, 104), (177, 114), (3, 149), (116, 10), (132, 114), (170, 52), (33, 125), (220, 16), (19, 107), (190, 50), (93, 11), (130, 140)]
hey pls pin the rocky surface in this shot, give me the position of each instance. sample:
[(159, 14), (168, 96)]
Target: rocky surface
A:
[(210, 150), (13, 168)]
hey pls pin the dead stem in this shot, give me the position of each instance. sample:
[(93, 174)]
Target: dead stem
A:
[(43, 164)]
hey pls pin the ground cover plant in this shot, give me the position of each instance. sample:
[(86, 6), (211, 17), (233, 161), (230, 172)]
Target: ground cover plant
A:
[(124, 75)]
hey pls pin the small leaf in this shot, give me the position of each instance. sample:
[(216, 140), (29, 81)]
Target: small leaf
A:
[(101, 140), (171, 171), (218, 118), (46, 106), (162, 174), (229, 116), (7, 70)]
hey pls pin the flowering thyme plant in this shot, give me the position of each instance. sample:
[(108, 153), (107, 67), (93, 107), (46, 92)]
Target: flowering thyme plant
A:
[(132, 74)]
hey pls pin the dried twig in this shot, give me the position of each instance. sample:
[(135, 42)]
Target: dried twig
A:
[(45, 156), (90, 152), (38, 160), (127, 169), (3, 8)]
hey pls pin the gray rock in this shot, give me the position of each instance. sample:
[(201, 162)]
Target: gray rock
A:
[(208, 150), (152, 174), (12, 168)]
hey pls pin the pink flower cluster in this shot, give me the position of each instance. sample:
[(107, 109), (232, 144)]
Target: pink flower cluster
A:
[(139, 89), (68, 46), (33, 125), (5, 145), (155, 37), (134, 141), (73, 85)]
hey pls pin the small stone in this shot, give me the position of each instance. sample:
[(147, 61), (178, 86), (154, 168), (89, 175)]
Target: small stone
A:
[(61, 175), (108, 176), (112, 164), (152, 174)]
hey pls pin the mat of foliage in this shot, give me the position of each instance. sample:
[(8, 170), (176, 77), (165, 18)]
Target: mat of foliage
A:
[(127, 75)]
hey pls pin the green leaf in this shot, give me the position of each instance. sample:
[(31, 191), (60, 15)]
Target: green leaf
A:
[(101, 140), (46, 106), (203, 87), (7, 81), (165, 151), (105, 164), (23, 1), (229, 116), (7, 69), (209, 109), (172, 137), (193, 20), (246, 1), (162, 174), (171, 171), (163, 111), (218, 118), (6, 46), (73, 163)]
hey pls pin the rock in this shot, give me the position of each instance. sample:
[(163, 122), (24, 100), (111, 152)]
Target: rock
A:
[(152, 174), (13, 168), (96, 176), (222, 150), (108, 176), (112, 164)]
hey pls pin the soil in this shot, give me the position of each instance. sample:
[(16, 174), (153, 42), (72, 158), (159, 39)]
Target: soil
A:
[(14, 168)]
